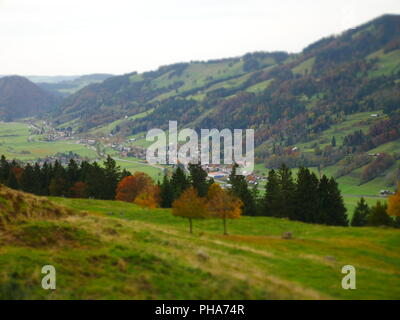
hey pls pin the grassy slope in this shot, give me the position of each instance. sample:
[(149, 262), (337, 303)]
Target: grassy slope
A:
[(122, 251), (14, 140)]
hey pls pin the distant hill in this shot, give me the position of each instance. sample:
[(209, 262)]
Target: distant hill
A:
[(20, 97), (346, 73), (335, 105), (69, 85)]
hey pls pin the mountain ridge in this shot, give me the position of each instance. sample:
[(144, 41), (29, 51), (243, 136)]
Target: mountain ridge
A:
[(20, 97)]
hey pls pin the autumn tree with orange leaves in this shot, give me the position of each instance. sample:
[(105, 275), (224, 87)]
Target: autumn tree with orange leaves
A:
[(190, 205), (150, 198), (132, 186), (394, 204), (223, 205)]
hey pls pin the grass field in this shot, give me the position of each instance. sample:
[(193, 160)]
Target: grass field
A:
[(120, 251), (14, 144)]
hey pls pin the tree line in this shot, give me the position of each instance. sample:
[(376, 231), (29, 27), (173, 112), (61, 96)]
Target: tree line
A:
[(191, 194), (306, 198), (381, 214), (84, 180)]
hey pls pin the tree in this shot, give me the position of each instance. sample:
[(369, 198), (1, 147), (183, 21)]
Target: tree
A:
[(198, 179), (95, 180), (4, 169), (361, 213), (241, 190), (394, 204), (179, 182), (149, 199), (332, 208), (306, 198), (130, 187), (333, 143), (78, 190), (379, 216), (287, 188), (190, 205), (12, 181), (27, 179), (57, 187), (73, 172), (166, 193), (112, 175), (272, 195), (223, 205)]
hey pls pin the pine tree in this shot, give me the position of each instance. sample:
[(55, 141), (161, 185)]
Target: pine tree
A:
[(240, 189), (73, 172), (12, 181), (333, 141), (112, 174), (95, 180), (272, 195), (361, 213), (287, 188), (378, 216), (179, 182), (198, 179), (27, 179), (4, 169), (332, 208), (166, 193), (306, 197)]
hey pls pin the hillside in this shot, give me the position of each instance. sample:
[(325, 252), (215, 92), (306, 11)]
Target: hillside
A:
[(343, 74), (17, 207), (64, 87), (120, 251), (307, 109), (20, 98)]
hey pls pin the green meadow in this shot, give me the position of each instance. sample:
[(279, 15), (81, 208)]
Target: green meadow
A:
[(117, 250)]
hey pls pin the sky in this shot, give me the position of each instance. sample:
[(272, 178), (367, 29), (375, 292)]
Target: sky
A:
[(73, 37)]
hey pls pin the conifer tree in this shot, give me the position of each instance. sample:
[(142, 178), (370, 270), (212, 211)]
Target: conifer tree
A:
[(12, 181), (361, 213), (198, 179), (332, 208), (287, 188), (306, 197), (179, 182), (378, 216), (166, 193), (240, 189), (272, 195), (112, 174), (27, 179), (4, 169)]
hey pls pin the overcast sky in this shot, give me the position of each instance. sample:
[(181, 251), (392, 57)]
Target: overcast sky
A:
[(69, 37)]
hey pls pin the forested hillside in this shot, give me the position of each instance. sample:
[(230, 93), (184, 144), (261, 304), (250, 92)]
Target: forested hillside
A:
[(335, 105), (20, 97), (287, 97)]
